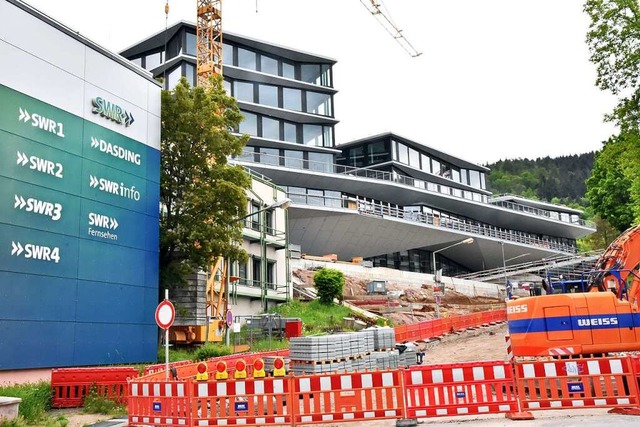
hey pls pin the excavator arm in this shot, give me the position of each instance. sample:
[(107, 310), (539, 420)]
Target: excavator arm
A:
[(619, 265)]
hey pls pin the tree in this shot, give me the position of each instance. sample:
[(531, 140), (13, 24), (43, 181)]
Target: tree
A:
[(614, 44), (201, 195), (329, 284)]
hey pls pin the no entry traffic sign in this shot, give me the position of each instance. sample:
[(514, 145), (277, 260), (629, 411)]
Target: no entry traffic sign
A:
[(165, 314)]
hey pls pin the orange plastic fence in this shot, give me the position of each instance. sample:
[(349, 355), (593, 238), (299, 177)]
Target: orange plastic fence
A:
[(460, 389), (438, 327), (166, 403), (585, 383), (71, 385), (359, 396)]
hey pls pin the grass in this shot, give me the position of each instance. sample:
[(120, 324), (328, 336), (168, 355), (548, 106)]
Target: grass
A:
[(316, 317), (36, 401)]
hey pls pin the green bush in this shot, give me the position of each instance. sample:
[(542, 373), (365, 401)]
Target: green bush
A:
[(36, 400), (211, 350), (329, 283)]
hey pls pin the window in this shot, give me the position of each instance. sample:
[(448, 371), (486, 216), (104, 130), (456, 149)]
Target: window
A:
[(464, 178), (426, 162), (435, 167), (242, 272), (227, 86), (414, 158), (153, 60), (482, 183), (257, 271), (310, 73), (269, 156), (312, 135), (190, 73), (137, 61), (403, 153), (455, 175), (173, 78), (268, 221), (316, 197), (293, 159), (227, 54), (378, 152), (333, 199), (290, 132), (246, 59), (243, 91), (271, 274), (292, 99), (253, 222), (321, 162), (288, 70), (250, 124), (247, 154), (190, 48), (268, 65), (474, 178), (270, 128), (356, 156), (268, 95), (319, 103)]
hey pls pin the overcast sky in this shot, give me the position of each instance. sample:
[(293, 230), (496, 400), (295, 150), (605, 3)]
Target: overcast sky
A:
[(497, 79)]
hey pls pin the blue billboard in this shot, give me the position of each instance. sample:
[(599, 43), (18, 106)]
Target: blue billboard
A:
[(79, 207)]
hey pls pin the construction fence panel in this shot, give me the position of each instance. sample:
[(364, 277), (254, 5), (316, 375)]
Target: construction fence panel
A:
[(576, 383), (360, 396), (70, 386), (460, 389), (159, 403), (251, 402)]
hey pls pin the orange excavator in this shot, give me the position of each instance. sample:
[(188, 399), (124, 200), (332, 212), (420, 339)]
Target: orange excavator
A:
[(603, 320)]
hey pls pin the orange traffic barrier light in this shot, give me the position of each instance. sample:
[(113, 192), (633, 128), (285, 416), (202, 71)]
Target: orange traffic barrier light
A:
[(201, 372), (221, 370), (241, 369), (278, 367), (258, 368)]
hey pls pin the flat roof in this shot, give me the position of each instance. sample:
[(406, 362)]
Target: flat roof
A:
[(84, 40)]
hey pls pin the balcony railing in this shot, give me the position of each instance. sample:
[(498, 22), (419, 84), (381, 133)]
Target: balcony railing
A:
[(381, 209), (332, 168), (570, 218)]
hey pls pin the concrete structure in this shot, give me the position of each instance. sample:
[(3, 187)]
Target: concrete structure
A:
[(385, 198), (79, 192)]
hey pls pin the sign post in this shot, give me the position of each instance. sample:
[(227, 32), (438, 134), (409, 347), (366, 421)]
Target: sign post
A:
[(165, 315)]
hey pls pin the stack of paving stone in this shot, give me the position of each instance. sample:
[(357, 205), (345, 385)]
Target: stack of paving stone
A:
[(385, 355), (330, 353)]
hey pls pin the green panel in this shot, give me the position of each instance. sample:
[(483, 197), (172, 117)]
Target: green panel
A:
[(114, 150), (37, 207), (25, 116), (39, 164)]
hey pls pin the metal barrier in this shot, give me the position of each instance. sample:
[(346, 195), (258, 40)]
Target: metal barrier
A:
[(460, 389), (70, 386), (584, 383)]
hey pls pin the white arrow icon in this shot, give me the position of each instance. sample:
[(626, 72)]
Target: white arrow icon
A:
[(20, 202), (24, 115), (16, 248), (113, 223), (93, 181), (94, 142), (22, 159)]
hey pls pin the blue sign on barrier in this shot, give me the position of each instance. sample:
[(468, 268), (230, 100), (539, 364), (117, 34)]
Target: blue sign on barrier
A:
[(460, 394), (157, 406), (576, 387), (241, 406)]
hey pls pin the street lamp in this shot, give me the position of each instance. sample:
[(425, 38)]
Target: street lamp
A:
[(466, 241), (504, 270), (282, 204)]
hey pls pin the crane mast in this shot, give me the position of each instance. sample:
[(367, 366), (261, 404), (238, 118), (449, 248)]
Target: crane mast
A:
[(208, 40)]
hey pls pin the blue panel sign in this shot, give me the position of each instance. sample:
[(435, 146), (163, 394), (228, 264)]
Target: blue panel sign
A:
[(79, 240), (241, 406), (460, 394), (576, 387), (157, 407)]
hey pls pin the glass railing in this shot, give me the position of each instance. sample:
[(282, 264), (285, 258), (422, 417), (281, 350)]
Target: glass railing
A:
[(332, 168), (558, 216), (381, 209)]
